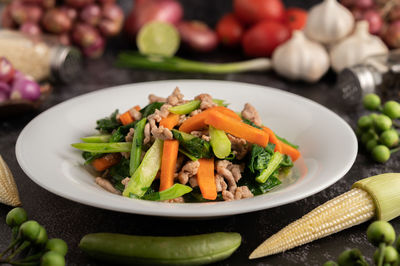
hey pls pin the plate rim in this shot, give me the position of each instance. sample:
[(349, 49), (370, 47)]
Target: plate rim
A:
[(157, 212)]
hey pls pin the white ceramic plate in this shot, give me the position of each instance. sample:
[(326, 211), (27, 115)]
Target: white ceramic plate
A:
[(327, 143)]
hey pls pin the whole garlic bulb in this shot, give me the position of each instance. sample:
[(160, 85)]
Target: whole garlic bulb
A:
[(301, 59), (329, 22), (356, 48)]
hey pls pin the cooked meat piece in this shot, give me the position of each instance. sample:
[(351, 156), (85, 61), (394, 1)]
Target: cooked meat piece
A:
[(176, 200), (250, 113), (153, 98), (195, 112), (161, 133), (227, 195), (193, 181), (239, 146), (182, 118), (104, 183), (179, 162), (236, 170), (203, 134), (175, 98), (206, 101), (125, 181), (205, 137), (197, 133), (135, 114), (222, 169), (147, 136), (129, 136), (188, 170), (243, 192), (126, 154), (164, 112), (220, 183)]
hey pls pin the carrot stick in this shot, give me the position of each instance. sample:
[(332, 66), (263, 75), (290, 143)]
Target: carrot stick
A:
[(273, 139), (105, 162), (206, 179), (170, 154), (168, 162), (197, 122), (237, 128), (126, 118), (170, 121), (289, 150)]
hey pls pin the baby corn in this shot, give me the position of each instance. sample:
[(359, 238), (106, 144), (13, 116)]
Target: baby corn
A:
[(377, 196), (8, 189)]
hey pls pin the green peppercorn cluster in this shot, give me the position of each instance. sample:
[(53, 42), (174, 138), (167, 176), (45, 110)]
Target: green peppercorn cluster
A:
[(30, 244), (381, 234), (377, 131)]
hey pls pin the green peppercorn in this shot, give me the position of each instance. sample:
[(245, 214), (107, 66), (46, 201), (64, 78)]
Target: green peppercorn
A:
[(389, 138), (371, 144), (365, 122), (371, 101), (392, 109), (380, 153), (383, 122), (381, 232)]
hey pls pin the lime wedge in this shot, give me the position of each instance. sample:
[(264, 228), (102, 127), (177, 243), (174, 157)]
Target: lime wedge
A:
[(158, 38)]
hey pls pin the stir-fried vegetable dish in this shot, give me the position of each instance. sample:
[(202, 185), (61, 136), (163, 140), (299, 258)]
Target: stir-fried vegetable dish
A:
[(178, 150)]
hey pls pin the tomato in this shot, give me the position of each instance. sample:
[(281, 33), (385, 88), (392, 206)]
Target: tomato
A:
[(264, 37), (295, 18), (229, 30), (253, 11)]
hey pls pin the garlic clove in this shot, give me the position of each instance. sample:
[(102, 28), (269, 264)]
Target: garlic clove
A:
[(328, 22), (356, 48), (301, 59), (8, 189)]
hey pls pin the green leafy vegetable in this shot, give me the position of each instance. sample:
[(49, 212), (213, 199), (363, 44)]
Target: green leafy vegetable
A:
[(273, 165), (173, 192), (108, 124), (257, 188), (260, 157), (185, 108), (220, 102), (191, 157), (195, 146), (288, 142), (247, 121), (90, 156), (271, 182), (137, 143), (104, 147), (150, 108), (120, 133), (287, 161), (119, 172)]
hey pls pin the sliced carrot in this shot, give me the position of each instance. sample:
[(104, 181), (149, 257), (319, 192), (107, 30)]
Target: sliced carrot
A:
[(137, 107), (206, 179), (170, 121), (126, 118), (289, 150), (197, 122), (168, 163), (105, 162), (237, 128), (273, 139)]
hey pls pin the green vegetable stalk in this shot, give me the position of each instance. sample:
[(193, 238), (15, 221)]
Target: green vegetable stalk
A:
[(173, 192), (137, 144), (96, 138), (136, 60), (146, 172), (220, 143), (273, 165), (104, 147), (185, 108)]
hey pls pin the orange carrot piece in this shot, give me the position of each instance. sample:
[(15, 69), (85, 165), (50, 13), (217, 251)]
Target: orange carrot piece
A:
[(168, 163), (105, 162), (237, 128), (170, 121), (137, 107), (206, 179), (126, 118), (290, 151), (273, 139), (197, 122)]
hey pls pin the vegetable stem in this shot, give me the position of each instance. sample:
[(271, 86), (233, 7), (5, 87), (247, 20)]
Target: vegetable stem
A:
[(137, 144), (10, 247), (172, 192), (273, 164), (96, 138), (220, 143), (185, 108), (23, 246), (104, 147), (135, 60), (382, 247)]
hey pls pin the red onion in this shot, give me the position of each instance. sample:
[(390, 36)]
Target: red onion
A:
[(18, 12), (6, 70), (96, 49), (78, 3), (112, 12), (30, 28), (5, 88), (64, 39), (392, 35), (56, 21), (71, 12), (34, 13), (85, 35), (109, 27), (147, 10), (47, 4), (375, 21), (106, 2), (364, 4), (198, 36), (91, 14), (3, 97), (6, 19), (25, 89)]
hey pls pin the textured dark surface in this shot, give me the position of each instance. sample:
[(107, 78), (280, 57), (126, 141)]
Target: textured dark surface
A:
[(70, 221)]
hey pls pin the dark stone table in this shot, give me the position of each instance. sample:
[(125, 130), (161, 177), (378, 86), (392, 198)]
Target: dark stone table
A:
[(70, 221)]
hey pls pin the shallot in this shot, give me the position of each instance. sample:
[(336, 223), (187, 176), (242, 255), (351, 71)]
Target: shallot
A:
[(198, 36), (30, 28), (56, 21), (85, 35), (6, 70), (25, 89), (91, 14), (4, 88)]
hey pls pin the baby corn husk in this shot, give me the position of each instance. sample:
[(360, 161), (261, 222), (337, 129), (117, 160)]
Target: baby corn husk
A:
[(8, 188), (376, 196)]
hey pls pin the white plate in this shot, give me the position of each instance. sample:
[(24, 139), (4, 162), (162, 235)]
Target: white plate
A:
[(328, 145)]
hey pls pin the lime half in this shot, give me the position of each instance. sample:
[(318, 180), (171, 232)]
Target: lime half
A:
[(158, 38)]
